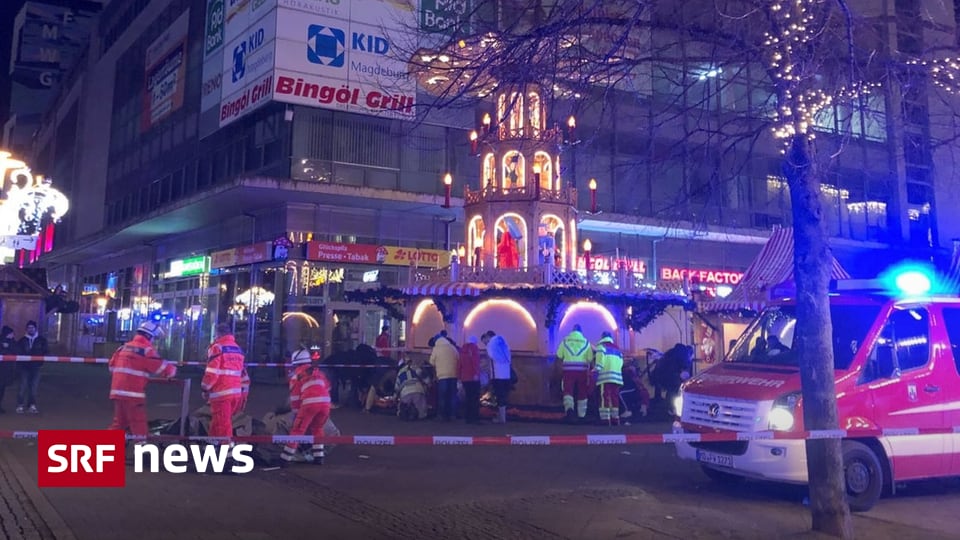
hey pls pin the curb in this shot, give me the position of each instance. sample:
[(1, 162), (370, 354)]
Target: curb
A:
[(47, 512)]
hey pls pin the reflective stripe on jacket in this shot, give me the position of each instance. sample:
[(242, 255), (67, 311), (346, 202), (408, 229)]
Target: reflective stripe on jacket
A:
[(308, 386), (574, 351), (609, 363), (225, 374), (131, 367)]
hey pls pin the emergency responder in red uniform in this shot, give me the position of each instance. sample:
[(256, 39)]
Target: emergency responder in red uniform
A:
[(131, 368), (575, 354), (609, 365), (223, 381), (310, 402)]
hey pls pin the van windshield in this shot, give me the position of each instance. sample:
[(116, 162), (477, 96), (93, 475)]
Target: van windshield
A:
[(769, 339)]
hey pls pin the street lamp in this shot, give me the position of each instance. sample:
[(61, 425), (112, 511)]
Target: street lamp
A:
[(571, 126), (462, 252), (473, 143), (486, 123), (593, 195), (447, 183)]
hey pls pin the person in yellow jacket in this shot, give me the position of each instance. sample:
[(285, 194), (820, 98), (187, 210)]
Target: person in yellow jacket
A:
[(574, 354), (609, 362)]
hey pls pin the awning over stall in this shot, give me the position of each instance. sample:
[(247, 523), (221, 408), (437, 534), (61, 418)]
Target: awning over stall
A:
[(773, 266), (446, 288)]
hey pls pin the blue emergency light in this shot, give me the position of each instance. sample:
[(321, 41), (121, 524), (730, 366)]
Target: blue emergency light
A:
[(904, 280)]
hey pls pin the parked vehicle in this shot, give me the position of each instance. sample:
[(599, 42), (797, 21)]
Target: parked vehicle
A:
[(897, 369)]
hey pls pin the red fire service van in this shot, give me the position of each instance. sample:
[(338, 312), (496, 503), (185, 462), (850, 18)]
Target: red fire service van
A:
[(897, 378)]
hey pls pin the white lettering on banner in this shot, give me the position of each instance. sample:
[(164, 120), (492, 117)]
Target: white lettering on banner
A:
[(827, 434), (378, 70), (312, 93), (176, 457), (453, 441), (331, 8), (80, 457), (606, 439), (754, 435), (681, 437), (740, 379), (247, 100), (890, 432), (299, 439), (374, 440), (531, 440)]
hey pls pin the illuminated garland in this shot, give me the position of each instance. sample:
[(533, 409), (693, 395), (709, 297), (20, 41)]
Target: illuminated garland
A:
[(643, 307)]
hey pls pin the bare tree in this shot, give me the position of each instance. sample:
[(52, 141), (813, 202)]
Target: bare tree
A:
[(722, 85)]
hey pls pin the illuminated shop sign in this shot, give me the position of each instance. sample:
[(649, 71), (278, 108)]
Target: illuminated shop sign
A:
[(193, 266), (372, 254), (600, 263), (705, 276)]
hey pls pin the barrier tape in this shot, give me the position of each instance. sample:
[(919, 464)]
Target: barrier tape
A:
[(94, 360), (531, 440)]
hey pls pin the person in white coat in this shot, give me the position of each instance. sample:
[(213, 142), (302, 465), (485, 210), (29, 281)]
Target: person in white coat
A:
[(500, 363)]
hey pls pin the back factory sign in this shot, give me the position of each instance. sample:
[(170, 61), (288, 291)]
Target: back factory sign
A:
[(28, 204)]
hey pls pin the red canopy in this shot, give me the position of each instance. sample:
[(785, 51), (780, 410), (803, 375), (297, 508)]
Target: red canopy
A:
[(773, 266)]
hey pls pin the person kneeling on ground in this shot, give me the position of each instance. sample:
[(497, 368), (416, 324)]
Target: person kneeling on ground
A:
[(310, 403), (412, 382)]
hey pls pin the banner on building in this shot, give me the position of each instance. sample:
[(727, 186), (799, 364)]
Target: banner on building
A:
[(352, 56), (372, 254), (243, 255), (166, 73)]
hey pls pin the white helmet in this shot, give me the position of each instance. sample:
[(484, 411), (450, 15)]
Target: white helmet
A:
[(301, 357), (152, 329)]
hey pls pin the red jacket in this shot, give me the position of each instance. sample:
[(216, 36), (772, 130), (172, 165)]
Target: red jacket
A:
[(132, 366), (308, 387), (468, 368), (382, 344), (225, 376)]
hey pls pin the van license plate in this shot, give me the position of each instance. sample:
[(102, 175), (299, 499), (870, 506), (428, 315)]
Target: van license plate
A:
[(715, 459)]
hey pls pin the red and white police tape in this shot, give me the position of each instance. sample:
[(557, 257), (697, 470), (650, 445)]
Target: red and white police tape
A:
[(541, 440), (95, 360)]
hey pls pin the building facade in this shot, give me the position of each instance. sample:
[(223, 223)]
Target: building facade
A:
[(217, 172)]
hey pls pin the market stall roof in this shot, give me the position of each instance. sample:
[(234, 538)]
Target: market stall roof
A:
[(432, 288), (773, 266)]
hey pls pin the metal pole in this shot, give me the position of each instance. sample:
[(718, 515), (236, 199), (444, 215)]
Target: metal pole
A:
[(184, 406)]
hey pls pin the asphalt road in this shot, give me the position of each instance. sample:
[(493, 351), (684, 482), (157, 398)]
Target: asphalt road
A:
[(370, 492)]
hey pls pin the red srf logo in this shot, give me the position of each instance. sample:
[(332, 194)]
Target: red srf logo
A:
[(76, 458)]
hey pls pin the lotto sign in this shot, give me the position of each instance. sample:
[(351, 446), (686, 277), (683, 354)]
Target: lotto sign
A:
[(97, 458)]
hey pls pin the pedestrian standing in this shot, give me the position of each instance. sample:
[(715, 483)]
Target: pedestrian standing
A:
[(31, 344), (609, 362), (222, 381), (469, 375), (445, 359), (8, 370), (310, 404), (574, 354), (383, 342), (501, 366), (131, 367)]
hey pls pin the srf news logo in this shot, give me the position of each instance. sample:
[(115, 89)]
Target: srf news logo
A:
[(97, 458)]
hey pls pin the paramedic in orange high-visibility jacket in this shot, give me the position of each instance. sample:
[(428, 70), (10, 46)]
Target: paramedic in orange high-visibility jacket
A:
[(310, 402), (130, 369), (223, 381)]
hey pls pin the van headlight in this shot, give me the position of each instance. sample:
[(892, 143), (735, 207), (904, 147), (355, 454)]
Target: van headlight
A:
[(781, 416), (678, 405)]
